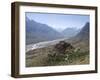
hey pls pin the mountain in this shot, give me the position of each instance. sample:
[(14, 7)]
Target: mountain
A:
[(37, 32), (84, 33), (70, 32), (81, 40)]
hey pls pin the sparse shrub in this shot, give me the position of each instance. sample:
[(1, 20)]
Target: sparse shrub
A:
[(65, 53), (62, 46), (60, 52)]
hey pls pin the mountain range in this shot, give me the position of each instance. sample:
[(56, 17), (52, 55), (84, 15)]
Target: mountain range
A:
[(70, 32), (84, 33), (38, 32)]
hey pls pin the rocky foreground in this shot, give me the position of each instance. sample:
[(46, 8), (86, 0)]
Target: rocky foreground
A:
[(61, 53)]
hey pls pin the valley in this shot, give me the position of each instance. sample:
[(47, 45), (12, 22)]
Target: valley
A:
[(47, 47)]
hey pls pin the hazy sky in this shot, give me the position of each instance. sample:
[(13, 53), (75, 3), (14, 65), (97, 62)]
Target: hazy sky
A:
[(59, 21)]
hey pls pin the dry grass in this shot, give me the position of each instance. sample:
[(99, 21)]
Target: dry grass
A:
[(39, 57)]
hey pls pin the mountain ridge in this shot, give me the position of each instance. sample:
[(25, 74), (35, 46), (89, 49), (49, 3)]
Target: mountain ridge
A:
[(37, 32), (70, 32)]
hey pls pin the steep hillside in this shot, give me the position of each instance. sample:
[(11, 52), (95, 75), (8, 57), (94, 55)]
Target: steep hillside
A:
[(84, 33), (82, 38), (36, 32)]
